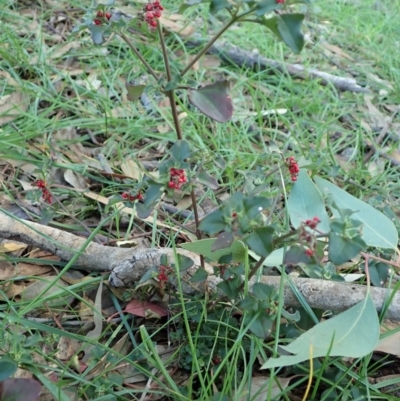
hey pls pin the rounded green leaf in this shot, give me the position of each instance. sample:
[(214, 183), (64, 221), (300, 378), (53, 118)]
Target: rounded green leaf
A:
[(266, 6), (354, 333), (286, 27), (7, 368), (213, 223), (261, 241), (213, 101), (378, 230), (180, 150), (305, 202)]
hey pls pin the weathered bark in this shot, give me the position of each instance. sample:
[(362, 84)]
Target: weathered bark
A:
[(244, 58), (127, 266)]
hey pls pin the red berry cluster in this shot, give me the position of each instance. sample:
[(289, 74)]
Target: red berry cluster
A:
[(312, 223), (307, 237), (132, 198), (151, 12), (46, 195), (163, 273), (177, 177), (101, 17), (294, 168), (280, 1)]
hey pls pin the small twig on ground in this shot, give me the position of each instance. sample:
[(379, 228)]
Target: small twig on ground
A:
[(234, 54)]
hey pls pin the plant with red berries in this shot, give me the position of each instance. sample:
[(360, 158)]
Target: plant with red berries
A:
[(46, 195), (294, 168)]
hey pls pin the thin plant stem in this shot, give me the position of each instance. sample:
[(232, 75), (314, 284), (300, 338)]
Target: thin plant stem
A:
[(138, 55), (170, 93), (207, 46), (174, 111)]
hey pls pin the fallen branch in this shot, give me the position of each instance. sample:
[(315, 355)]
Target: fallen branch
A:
[(234, 54), (127, 266)]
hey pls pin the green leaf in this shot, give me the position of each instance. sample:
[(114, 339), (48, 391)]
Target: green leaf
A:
[(200, 275), (213, 223), (354, 333), (213, 101), (153, 193), (230, 287), (342, 249), (143, 212), (305, 202), (377, 231), (254, 205), (287, 27), (207, 179), (217, 5), (261, 326), (223, 241), (180, 151), (262, 291), (266, 6), (7, 368), (97, 31), (261, 241), (134, 91), (184, 262), (204, 247), (378, 273)]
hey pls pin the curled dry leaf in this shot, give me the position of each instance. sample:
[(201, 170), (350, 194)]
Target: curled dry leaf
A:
[(12, 106)]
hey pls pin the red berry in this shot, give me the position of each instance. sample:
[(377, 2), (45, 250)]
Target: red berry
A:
[(97, 22), (149, 15), (309, 252), (153, 23), (171, 184), (157, 14), (108, 15), (100, 14), (148, 7)]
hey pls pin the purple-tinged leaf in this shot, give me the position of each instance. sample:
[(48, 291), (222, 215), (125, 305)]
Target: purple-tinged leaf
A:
[(213, 101), (224, 240), (20, 390), (134, 91)]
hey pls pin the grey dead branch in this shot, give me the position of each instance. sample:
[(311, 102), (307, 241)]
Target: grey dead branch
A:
[(233, 54), (127, 266)]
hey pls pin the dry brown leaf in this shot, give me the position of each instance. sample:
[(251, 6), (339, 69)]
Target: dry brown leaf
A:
[(8, 79), (131, 169), (378, 119), (59, 51), (67, 348), (259, 386), (8, 270), (337, 50), (175, 27), (12, 106), (86, 309), (75, 179), (11, 247)]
